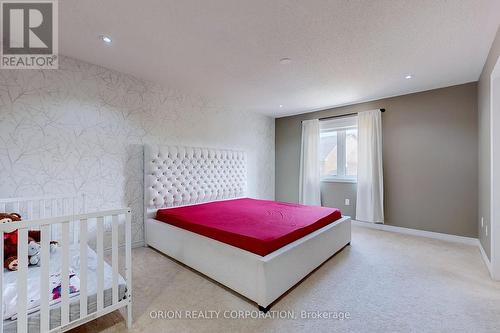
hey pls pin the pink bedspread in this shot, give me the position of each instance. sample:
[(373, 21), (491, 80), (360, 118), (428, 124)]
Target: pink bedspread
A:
[(258, 226)]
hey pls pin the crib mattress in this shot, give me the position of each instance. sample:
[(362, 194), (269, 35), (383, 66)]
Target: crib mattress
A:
[(10, 325)]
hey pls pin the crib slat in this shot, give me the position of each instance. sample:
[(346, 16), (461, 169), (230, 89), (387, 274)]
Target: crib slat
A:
[(128, 264), (1, 281), (65, 274), (42, 209), (44, 279), (114, 253), (74, 223), (22, 280), (52, 214), (100, 264), (83, 268), (30, 210)]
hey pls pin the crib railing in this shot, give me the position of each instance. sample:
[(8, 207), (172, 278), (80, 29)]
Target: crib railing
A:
[(31, 208), (66, 239), (42, 207)]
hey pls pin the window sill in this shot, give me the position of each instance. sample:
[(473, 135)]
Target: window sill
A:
[(339, 180)]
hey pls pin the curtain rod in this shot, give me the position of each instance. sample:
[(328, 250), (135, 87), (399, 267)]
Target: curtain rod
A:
[(345, 115)]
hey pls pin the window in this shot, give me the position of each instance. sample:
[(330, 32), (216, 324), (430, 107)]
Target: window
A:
[(339, 149)]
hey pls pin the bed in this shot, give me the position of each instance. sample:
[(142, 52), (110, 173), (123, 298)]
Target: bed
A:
[(73, 283), (196, 212)]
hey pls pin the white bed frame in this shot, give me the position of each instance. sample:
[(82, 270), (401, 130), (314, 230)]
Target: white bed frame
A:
[(178, 176), (65, 216)]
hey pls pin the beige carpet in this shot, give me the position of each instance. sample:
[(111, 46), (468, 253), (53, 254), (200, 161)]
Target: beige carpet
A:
[(387, 282)]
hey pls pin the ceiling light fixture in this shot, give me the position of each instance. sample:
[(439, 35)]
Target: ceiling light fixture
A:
[(105, 39), (408, 76), (285, 61), (281, 105)]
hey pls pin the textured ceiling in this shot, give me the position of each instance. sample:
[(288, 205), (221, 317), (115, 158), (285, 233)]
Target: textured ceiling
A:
[(342, 51)]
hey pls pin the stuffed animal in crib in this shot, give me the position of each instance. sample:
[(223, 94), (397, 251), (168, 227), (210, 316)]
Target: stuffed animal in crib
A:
[(34, 254), (12, 217), (10, 244)]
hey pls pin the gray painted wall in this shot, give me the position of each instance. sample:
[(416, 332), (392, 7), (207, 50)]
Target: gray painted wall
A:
[(334, 195), (484, 196), (430, 159)]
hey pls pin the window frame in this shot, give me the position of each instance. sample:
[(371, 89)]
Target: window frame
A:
[(341, 131)]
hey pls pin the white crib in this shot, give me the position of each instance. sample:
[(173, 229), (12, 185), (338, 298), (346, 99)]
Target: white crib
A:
[(65, 219)]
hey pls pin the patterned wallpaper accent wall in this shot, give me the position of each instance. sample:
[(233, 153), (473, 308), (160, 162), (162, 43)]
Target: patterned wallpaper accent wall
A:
[(81, 129)]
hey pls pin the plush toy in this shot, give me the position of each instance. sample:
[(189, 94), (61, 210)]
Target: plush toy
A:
[(34, 255), (12, 217), (10, 244)]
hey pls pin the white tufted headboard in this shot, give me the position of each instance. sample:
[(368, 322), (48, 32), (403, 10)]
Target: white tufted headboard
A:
[(177, 176)]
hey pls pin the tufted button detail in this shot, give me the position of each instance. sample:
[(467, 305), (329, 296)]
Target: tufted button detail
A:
[(184, 175)]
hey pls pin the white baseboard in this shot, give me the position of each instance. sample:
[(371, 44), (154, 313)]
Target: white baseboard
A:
[(138, 244), (431, 234), (486, 260), (134, 245), (421, 233)]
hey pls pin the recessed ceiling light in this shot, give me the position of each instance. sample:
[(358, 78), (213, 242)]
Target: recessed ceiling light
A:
[(285, 61), (105, 39), (408, 76), (281, 105)]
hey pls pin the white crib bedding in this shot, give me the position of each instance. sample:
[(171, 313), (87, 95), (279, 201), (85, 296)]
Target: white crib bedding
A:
[(10, 284)]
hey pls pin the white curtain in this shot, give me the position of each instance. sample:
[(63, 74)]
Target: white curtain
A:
[(309, 183), (370, 196)]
